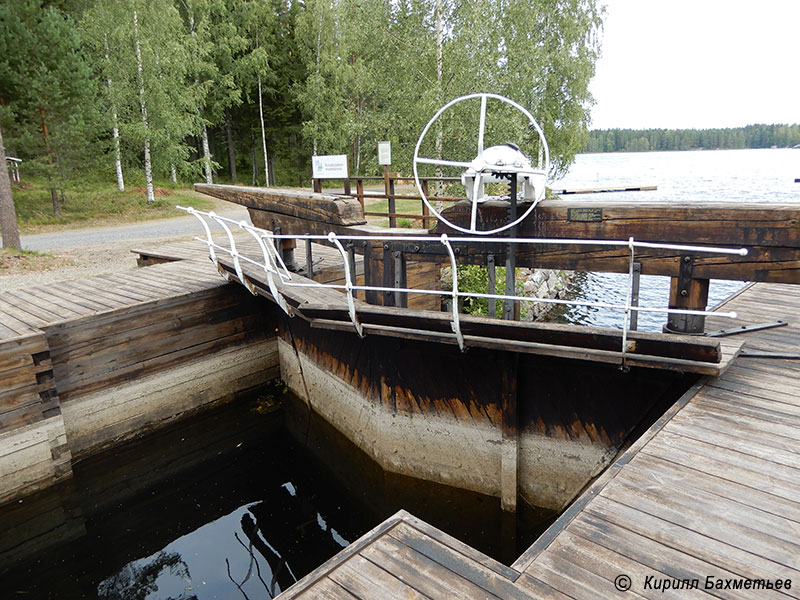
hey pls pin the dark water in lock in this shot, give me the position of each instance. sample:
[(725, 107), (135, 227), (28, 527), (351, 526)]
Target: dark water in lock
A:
[(230, 504)]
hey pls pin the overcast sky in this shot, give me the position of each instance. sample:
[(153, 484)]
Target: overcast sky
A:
[(698, 64)]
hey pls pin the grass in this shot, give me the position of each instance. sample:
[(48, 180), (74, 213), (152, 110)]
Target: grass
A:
[(94, 203), (405, 207), (14, 261)]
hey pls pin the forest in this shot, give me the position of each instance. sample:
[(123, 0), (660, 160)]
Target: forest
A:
[(137, 91), (644, 140)]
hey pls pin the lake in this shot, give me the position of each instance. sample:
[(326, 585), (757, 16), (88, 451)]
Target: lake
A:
[(749, 176)]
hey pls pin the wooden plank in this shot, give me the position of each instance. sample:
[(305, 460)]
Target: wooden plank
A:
[(729, 488), (162, 336), (597, 566), (696, 498), (17, 320), (364, 579), (739, 433), (57, 307), (654, 556), (573, 580), (539, 589), (687, 540), (687, 453), (468, 551), (466, 567), (570, 352), (24, 376), (93, 379), (418, 571), (308, 582), (598, 338), (90, 322), (63, 290), (6, 332), (107, 293), (329, 590), (709, 520), (82, 336), (155, 282), (29, 414), (37, 314), (18, 352), (55, 292)]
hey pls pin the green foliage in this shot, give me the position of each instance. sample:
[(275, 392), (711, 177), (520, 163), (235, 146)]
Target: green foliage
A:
[(751, 136), (336, 76), (49, 97), (373, 73), (475, 278)]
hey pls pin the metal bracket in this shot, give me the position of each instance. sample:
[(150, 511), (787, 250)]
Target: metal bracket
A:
[(746, 329), (685, 271)]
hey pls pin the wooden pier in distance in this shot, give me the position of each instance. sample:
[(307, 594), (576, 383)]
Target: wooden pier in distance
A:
[(712, 489)]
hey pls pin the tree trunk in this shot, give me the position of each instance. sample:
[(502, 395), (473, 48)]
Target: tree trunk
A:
[(53, 190), (8, 214), (439, 64), (255, 162), (117, 156), (204, 131), (263, 133), (173, 174), (115, 130), (206, 157), (148, 164), (231, 149)]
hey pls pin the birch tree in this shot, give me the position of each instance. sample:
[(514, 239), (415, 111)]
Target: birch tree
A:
[(153, 94), (257, 23), (115, 119)]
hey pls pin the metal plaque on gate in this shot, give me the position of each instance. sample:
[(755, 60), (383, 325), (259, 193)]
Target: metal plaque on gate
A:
[(588, 215)]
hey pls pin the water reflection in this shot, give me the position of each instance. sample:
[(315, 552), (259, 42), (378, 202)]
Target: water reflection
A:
[(612, 288), (228, 505)]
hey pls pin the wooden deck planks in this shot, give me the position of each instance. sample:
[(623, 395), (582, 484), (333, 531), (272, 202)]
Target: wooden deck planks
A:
[(27, 310), (716, 489)]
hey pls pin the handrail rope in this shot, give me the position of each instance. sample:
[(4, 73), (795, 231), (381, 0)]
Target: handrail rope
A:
[(456, 324), (234, 253), (210, 241), (268, 268), (348, 286), (275, 264)]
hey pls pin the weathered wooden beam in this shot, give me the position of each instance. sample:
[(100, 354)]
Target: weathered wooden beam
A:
[(323, 208), (769, 232), (712, 223)]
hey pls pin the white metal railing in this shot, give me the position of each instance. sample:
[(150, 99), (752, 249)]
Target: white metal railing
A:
[(273, 266)]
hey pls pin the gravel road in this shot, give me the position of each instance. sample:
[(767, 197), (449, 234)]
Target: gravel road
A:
[(88, 252)]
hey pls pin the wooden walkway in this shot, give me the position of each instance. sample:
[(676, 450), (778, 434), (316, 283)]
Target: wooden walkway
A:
[(710, 495), (27, 310), (67, 340)]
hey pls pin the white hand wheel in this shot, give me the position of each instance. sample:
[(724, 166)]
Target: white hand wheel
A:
[(504, 159)]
